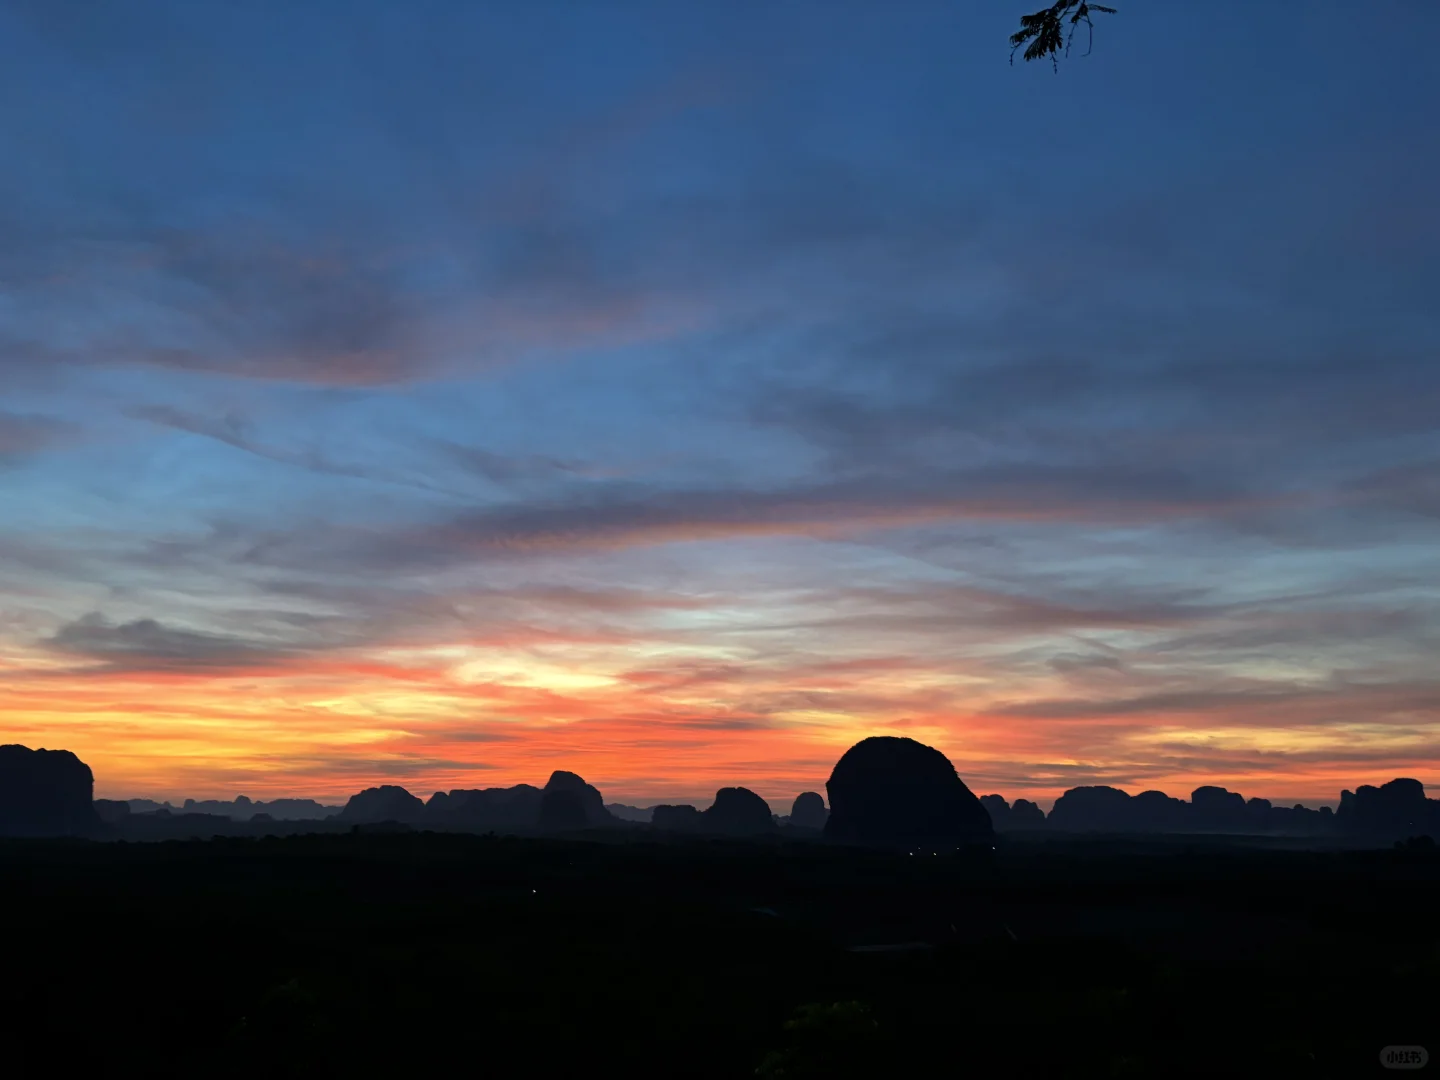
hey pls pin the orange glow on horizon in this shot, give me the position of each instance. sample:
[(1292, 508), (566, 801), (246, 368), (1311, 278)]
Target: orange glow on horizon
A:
[(670, 727)]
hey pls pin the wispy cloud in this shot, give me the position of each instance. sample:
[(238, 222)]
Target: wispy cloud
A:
[(235, 430), (618, 516), (24, 434), (148, 645)]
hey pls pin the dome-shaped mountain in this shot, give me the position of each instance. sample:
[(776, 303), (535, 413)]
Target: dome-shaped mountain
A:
[(738, 811), (570, 803), (809, 811), (384, 803), (894, 792)]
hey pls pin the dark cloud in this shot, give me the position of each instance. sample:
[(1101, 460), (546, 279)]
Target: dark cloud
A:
[(1279, 703), (53, 560), (316, 272), (148, 645), (372, 771), (626, 515), (1265, 414), (1119, 608), (1413, 487), (250, 299), (509, 470), (24, 434), (1246, 630), (1085, 662)]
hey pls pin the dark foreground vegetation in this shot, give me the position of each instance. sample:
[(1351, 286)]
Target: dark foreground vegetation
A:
[(366, 954)]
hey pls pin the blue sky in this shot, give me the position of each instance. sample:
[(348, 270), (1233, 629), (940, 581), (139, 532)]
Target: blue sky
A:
[(434, 392)]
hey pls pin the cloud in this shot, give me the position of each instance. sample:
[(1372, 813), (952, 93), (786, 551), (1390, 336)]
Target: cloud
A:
[(1248, 629), (507, 470), (941, 604), (1270, 703), (618, 516), (231, 429), (148, 645), (1413, 487), (235, 430), (366, 771), (25, 434)]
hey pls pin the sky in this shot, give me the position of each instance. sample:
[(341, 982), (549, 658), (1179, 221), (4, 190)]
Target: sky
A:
[(446, 393)]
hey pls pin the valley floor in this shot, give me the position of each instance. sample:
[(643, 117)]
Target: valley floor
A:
[(363, 955)]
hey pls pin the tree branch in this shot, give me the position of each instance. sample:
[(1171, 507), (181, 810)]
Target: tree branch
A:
[(1043, 32)]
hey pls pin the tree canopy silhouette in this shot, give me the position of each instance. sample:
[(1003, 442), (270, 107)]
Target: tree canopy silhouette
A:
[(1045, 32)]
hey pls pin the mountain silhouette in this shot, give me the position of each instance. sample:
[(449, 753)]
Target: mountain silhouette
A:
[(884, 791), (486, 809), (112, 811), (562, 809), (1099, 808), (1025, 814), (998, 809), (636, 814), (809, 811), (1397, 810), (566, 802), (567, 786), (681, 818), (242, 808), (384, 803), (1215, 809), (895, 792), (1210, 810), (45, 793), (738, 811)]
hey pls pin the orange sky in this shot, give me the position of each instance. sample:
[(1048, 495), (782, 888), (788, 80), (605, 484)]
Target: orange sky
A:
[(649, 725)]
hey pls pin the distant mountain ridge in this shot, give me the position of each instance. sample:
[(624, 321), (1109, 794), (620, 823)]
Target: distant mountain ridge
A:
[(890, 792), (1396, 810), (242, 808)]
